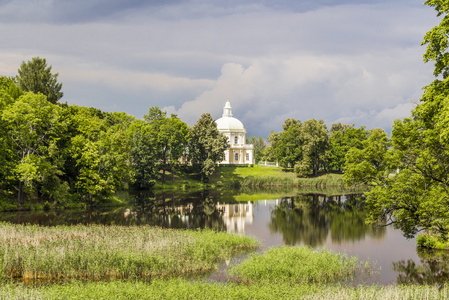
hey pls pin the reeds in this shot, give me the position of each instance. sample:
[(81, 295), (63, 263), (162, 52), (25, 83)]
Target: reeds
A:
[(96, 251), (296, 265), (176, 288)]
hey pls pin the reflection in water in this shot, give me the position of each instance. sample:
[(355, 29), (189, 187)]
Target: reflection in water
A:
[(434, 268), (308, 220), (336, 222), (235, 216)]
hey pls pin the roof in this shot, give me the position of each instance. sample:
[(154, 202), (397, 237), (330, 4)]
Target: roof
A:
[(227, 121)]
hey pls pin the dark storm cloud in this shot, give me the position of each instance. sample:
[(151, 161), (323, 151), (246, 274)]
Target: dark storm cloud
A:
[(68, 11)]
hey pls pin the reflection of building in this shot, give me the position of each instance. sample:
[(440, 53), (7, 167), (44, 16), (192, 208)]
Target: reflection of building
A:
[(238, 152), (235, 216)]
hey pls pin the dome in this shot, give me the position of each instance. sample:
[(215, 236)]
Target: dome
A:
[(229, 123)]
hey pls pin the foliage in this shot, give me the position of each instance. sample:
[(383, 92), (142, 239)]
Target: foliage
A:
[(259, 146), (34, 76), (314, 148), (295, 265), (143, 158), (31, 123), (170, 138), (344, 137), (371, 164), (206, 146), (308, 147), (432, 241), (417, 198)]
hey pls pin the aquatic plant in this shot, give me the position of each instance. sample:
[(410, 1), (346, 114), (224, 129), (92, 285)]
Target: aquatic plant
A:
[(96, 251), (295, 265)]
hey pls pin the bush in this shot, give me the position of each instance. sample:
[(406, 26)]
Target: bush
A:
[(431, 241)]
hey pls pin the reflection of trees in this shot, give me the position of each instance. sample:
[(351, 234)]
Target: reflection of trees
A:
[(434, 268), (299, 219), (166, 210), (348, 220), (188, 211), (307, 219)]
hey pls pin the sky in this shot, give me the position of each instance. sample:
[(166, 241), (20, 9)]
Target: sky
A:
[(349, 61)]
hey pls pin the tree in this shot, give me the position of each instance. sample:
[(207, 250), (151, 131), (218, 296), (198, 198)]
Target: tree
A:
[(259, 146), (315, 141), (206, 146), (417, 198), (372, 164), (34, 76), (170, 136), (30, 122), (344, 137), (143, 158), (289, 146), (9, 92)]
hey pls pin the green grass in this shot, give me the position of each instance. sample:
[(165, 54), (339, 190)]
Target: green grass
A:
[(129, 252), (265, 177), (176, 288), (95, 251), (296, 265)]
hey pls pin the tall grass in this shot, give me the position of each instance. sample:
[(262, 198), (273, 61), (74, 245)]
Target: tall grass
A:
[(96, 251), (177, 288), (299, 265)]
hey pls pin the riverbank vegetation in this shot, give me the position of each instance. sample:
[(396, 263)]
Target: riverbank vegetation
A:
[(260, 176), (177, 288), (152, 263), (102, 252)]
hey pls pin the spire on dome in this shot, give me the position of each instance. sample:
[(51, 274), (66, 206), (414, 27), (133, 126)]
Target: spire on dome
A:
[(227, 110)]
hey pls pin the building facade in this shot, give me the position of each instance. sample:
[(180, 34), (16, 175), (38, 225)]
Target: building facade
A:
[(239, 152)]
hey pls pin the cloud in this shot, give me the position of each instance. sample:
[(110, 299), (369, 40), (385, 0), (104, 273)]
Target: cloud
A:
[(352, 61)]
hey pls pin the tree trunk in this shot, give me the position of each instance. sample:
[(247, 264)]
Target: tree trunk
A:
[(20, 193)]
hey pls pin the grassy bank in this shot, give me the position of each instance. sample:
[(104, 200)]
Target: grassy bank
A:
[(265, 177), (121, 259), (95, 251), (282, 273), (176, 288)]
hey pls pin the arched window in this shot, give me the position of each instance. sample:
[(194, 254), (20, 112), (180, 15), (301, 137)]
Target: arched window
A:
[(236, 157), (236, 140)]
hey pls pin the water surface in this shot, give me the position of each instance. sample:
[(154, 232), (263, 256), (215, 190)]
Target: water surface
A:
[(315, 220)]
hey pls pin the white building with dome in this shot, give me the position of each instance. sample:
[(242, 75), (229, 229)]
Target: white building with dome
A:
[(238, 153)]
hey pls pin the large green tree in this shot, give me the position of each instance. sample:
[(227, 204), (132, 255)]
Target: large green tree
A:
[(342, 138), (206, 146), (143, 157), (289, 146), (418, 197), (34, 76), (9, 92), (315, 144), (31, 123), (170, 137)]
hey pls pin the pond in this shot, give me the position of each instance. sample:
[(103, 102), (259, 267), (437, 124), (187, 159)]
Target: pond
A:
[(315, 220)]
